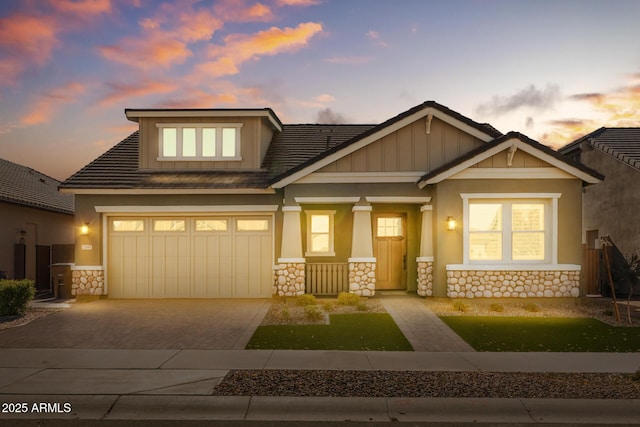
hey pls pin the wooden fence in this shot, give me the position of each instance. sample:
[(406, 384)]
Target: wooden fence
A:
[(327, 278)]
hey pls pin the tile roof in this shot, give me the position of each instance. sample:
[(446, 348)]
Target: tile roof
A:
[(517, 135), (118, 169), (483, 127), (297, 144), (25, 186), (620, 143)]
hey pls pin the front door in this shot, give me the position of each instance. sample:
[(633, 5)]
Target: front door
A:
[(390, 250)]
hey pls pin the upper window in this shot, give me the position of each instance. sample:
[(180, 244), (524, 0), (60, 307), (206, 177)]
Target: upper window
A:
[(320, 233), (187, 141), (509, 231)]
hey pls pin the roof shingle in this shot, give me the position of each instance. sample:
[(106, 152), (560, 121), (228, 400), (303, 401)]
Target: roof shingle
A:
[(27, 187)]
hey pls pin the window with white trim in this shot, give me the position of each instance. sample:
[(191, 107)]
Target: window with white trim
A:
[(194, 141), (320, 233), (509, 231)]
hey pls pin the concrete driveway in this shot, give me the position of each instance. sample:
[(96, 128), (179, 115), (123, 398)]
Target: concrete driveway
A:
[(144, 324)]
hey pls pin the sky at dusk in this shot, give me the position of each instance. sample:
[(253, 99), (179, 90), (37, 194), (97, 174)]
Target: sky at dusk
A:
[(553, 70)]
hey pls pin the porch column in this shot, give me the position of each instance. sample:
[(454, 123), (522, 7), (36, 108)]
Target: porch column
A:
[(288, 277), (362, 264), (425, 260)]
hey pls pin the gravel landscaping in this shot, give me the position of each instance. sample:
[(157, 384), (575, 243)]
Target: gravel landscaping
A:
[(427, 384), (31, 315)]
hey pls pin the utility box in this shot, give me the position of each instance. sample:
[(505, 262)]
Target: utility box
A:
[(61, 278)]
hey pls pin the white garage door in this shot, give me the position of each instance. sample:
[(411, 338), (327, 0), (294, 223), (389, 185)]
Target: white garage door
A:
[(190, 257)]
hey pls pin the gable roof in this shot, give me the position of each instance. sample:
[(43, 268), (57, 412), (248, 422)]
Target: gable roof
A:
[(504, 142), (24, 186), (620, 143), (484, 132), (297, 144), (117, 169)]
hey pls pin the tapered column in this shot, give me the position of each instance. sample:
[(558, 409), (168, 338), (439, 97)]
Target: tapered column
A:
[(289, 274), (362, 264), (425, 260)]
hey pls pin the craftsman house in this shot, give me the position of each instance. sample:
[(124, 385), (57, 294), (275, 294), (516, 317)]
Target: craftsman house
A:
[(233, 203)]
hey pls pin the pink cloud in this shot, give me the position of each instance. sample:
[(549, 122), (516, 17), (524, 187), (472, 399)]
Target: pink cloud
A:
[(120, 91), (236, 11), (82, 7), (199, 99), (45, 107), (150, 53), (31, 38), (240, 48), (298, 2)]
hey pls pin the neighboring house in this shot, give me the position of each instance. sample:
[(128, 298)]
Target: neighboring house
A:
[(33, 217), (611, 208), (233, 203)]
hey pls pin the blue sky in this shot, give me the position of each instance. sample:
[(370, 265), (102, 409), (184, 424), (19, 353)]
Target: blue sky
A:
[(553, 70)]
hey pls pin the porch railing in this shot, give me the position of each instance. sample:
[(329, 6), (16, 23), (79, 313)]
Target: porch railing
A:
[(329, 278)]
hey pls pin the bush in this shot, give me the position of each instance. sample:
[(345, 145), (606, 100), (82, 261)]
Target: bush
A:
[(460, 306), (346, 298), (498, 308), (311, 312), (284, 313), (306, 300), (636, 375), (362, 306), (328, 306), (532, 308), (15, 296)]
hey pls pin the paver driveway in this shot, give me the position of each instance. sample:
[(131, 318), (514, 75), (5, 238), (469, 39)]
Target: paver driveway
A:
[(144, 324)]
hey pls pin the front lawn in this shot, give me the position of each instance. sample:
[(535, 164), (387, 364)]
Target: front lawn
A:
[(485, 333), (359, 332)]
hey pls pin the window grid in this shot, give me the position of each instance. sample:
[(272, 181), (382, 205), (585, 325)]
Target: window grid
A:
[(216, 142)]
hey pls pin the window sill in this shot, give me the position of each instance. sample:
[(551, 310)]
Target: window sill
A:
[(514, 267), (318, 254), (199, 159)]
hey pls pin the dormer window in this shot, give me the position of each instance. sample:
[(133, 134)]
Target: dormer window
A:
[(199, 141)]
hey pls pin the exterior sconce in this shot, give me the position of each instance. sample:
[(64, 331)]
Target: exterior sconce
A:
[(451, 223), (84, 230)]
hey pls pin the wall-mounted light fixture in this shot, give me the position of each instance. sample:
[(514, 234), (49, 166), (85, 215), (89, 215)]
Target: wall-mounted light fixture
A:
[(451, 223), (84, 229)]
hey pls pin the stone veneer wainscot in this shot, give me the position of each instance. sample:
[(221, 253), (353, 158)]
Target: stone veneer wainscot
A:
[(288, 279), (87, 280), (425, 278), (513, 284), (362, 278)]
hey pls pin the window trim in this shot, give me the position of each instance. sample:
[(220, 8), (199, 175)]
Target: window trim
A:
[(551, 222), (199, 127), (331, 214)]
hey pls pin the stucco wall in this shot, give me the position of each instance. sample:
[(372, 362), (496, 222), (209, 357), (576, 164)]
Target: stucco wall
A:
[(86, 213), (447, 202), (51, 228), (612, 206)]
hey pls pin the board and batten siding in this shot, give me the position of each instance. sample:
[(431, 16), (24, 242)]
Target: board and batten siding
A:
[(254, 138), (409, 149), (520, 160)]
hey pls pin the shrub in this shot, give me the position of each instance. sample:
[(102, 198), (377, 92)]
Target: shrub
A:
[(346, 298), (284, 313), (362, 306), (306, 300), (636, 375), (328, 306), (460, 306), (532, 308), (498, 308), (608, 312), (15, 296), (311, 312)]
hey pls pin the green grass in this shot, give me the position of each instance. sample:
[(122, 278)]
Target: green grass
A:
[(544, 334), (369, 331)]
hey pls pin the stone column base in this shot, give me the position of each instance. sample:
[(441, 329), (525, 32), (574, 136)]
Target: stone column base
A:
[(425, 278), (288, 279), (87, 280), (362, 277)]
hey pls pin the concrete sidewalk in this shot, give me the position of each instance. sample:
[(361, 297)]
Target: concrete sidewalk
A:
[(178, 384)]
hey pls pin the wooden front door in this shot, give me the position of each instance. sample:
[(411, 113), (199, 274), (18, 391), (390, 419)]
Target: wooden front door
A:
[(390, 250)]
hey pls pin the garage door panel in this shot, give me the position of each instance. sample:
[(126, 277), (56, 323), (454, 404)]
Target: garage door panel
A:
[(206, 258)]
